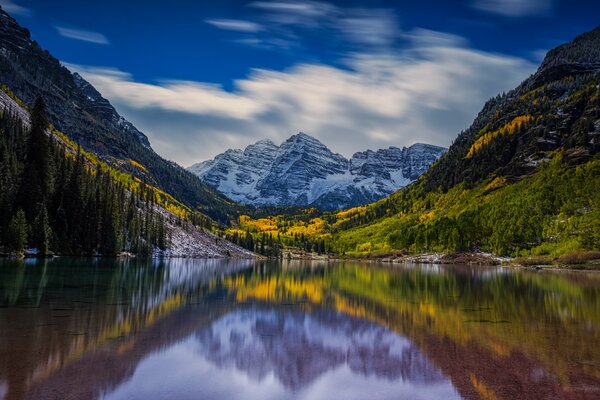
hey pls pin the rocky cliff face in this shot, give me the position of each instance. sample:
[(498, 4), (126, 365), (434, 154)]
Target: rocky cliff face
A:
[(304, 172)]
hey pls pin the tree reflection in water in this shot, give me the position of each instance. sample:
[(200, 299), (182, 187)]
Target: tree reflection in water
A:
[(80, 328)]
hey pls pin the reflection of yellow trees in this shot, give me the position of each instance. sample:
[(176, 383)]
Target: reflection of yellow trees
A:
[(343, 305), (80, 345), (513, 316), (484, 392), (501, 313), (276, 288)]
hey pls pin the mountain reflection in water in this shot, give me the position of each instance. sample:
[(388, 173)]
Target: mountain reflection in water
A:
[(187, 329), (286, 354)]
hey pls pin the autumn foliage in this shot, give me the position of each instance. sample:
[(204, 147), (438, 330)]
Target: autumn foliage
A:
[(508, 129)]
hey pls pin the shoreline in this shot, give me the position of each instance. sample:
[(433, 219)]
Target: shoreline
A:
[(463, 258)]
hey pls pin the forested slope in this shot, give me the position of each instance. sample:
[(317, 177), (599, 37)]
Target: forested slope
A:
[(525, 175), (58, 198), (77, 109)]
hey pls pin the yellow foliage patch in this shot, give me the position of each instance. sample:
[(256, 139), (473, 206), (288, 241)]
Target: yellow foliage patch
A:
[(350, 212), (315, 226), (497, 183), (231, 232), (427, 216), (508, 129), (364, 247), (138, 165), (484, 392), (267, 225)]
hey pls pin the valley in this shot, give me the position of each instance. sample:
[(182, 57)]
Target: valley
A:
[(299, 200), (522, 181)]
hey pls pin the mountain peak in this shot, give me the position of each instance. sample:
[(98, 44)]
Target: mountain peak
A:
[(304, 172), (302, 137), (267, 142), (424, 146), (579, 57), (584, 49)]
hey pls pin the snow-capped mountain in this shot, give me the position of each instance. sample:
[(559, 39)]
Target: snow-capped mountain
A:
[(304, 172)]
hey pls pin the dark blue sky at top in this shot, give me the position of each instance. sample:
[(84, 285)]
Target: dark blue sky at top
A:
[(199, 77), (154, 39)]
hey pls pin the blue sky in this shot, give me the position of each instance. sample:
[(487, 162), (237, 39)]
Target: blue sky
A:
[(199, 77)]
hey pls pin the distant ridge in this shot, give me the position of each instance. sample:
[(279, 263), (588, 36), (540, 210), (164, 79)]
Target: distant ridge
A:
[(304, 172)]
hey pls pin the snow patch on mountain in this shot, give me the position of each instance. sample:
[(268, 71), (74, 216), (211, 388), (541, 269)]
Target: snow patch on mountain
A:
[(304, 172)]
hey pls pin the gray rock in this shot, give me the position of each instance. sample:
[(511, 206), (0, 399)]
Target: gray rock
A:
[(304, 172)]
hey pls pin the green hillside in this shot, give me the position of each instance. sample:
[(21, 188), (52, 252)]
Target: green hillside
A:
[(554, 211), (523, 179)]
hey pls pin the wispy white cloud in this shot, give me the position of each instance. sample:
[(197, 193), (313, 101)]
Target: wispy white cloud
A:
[(235, 25), (181, 96), (307, 8), (427, 93), (515, 8), (83, 35), (268, 43), (377, 27), (372, 27), (12, 8)]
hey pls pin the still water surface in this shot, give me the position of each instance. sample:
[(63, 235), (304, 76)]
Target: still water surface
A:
[(208, 329)]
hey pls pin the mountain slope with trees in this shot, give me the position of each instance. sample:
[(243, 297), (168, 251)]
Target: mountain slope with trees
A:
[(46, 195), (58, 198), (77, 109), (523, 179)]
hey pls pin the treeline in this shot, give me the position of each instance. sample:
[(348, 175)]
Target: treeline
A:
[(53, 199), (263, 244), (270, 245)]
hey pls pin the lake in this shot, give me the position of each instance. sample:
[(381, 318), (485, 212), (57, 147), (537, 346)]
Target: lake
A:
[(220, 329)]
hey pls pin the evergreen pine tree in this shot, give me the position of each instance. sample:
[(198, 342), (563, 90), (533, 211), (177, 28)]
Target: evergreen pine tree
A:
[(37, 181), (41, 230), (17, 231)]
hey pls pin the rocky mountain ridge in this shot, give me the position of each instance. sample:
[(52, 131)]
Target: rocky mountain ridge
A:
[(556, 108), (304, 172)]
